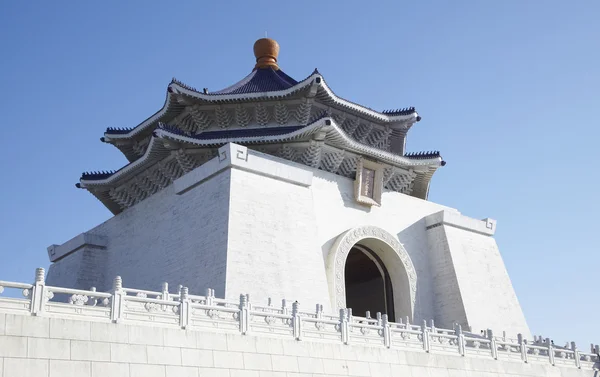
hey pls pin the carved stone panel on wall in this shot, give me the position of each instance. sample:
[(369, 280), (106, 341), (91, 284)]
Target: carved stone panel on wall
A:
[(368, 182)]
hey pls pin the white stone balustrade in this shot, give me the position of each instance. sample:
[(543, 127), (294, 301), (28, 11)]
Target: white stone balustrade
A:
[(184, 310)]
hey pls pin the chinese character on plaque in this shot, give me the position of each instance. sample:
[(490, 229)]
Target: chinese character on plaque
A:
[(368, 183)]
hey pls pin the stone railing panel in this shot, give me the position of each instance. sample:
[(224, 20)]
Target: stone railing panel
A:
[(183, 310)]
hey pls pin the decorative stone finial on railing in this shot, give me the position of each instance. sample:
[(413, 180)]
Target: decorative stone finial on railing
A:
[(387, 333), (184, 307), (117, 284), (458, 330), (296, 322), (165, 291), (244, 314), (39, 275), (38, 293), (184, 293)]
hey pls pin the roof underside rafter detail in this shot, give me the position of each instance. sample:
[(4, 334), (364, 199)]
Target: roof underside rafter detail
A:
[(323, 144)]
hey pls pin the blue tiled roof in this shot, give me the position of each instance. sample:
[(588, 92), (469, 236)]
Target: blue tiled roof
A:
[(260, 80), (113, 130), (405, 111), (96, 175), (239, 133), (422, 155)]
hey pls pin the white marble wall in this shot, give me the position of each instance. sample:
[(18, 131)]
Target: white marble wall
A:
[(247, 222), (55, 347)]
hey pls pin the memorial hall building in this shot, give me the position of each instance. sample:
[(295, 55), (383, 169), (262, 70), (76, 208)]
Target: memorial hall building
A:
[(280, 188)]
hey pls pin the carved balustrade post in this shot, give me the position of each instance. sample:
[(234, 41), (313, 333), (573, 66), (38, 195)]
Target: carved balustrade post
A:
[(319, 312), (38, 293), (117, 304), (284, 307), (522, 347), (244, 316), (344, 328), (550, 351), (387, 333), (425, 336), (460, 337), (184, 307), (210, 296), (576, 355), (296, 321), (493, 345), (165, 291)]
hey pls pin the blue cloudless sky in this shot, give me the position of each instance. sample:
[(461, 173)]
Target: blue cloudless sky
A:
[(508, 92)]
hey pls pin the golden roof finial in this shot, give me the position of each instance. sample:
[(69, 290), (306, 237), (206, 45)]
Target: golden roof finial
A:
[(266, 51)]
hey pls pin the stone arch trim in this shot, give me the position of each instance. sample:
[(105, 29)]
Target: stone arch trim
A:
[(336, 260)]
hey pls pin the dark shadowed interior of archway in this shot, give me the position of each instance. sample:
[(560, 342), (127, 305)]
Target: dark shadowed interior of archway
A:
[(368, 286)]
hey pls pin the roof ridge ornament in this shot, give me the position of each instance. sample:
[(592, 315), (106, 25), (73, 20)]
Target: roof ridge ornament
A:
[(266, 51)]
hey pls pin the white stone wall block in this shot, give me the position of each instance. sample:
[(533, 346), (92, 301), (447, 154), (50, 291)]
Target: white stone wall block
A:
[(241, 343), (68, 368), (228, 359), (264, 373), (271, 346), (89, 351), (321, 350), (213, 372), (21, 325), (139, 335), (1, 367), (46, 348), (144, 370), (179, 371), (400, 370), (380, 369), (388, 355), (108, 332), (343, 352), (164, 355), (243, 373), (128, 353), (25, 367), (105, 369), (464, 373), (255, 361), (13, 346), (212, 341), (197, 358), (358, 368), (180, 338), (70, 329), (310, 365), (2, 323), (285, 363), (294, 348), (337, 367)]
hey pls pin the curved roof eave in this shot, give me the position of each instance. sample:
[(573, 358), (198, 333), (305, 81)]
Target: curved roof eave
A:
[(336, 138), (179, 88), (155, 149), (335, 135)]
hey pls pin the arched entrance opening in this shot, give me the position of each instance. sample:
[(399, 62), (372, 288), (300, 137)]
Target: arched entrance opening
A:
[(384, 251), (368, 283)]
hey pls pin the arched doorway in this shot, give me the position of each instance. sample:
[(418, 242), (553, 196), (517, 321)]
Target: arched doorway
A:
[(368, 284), (387, 253)]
